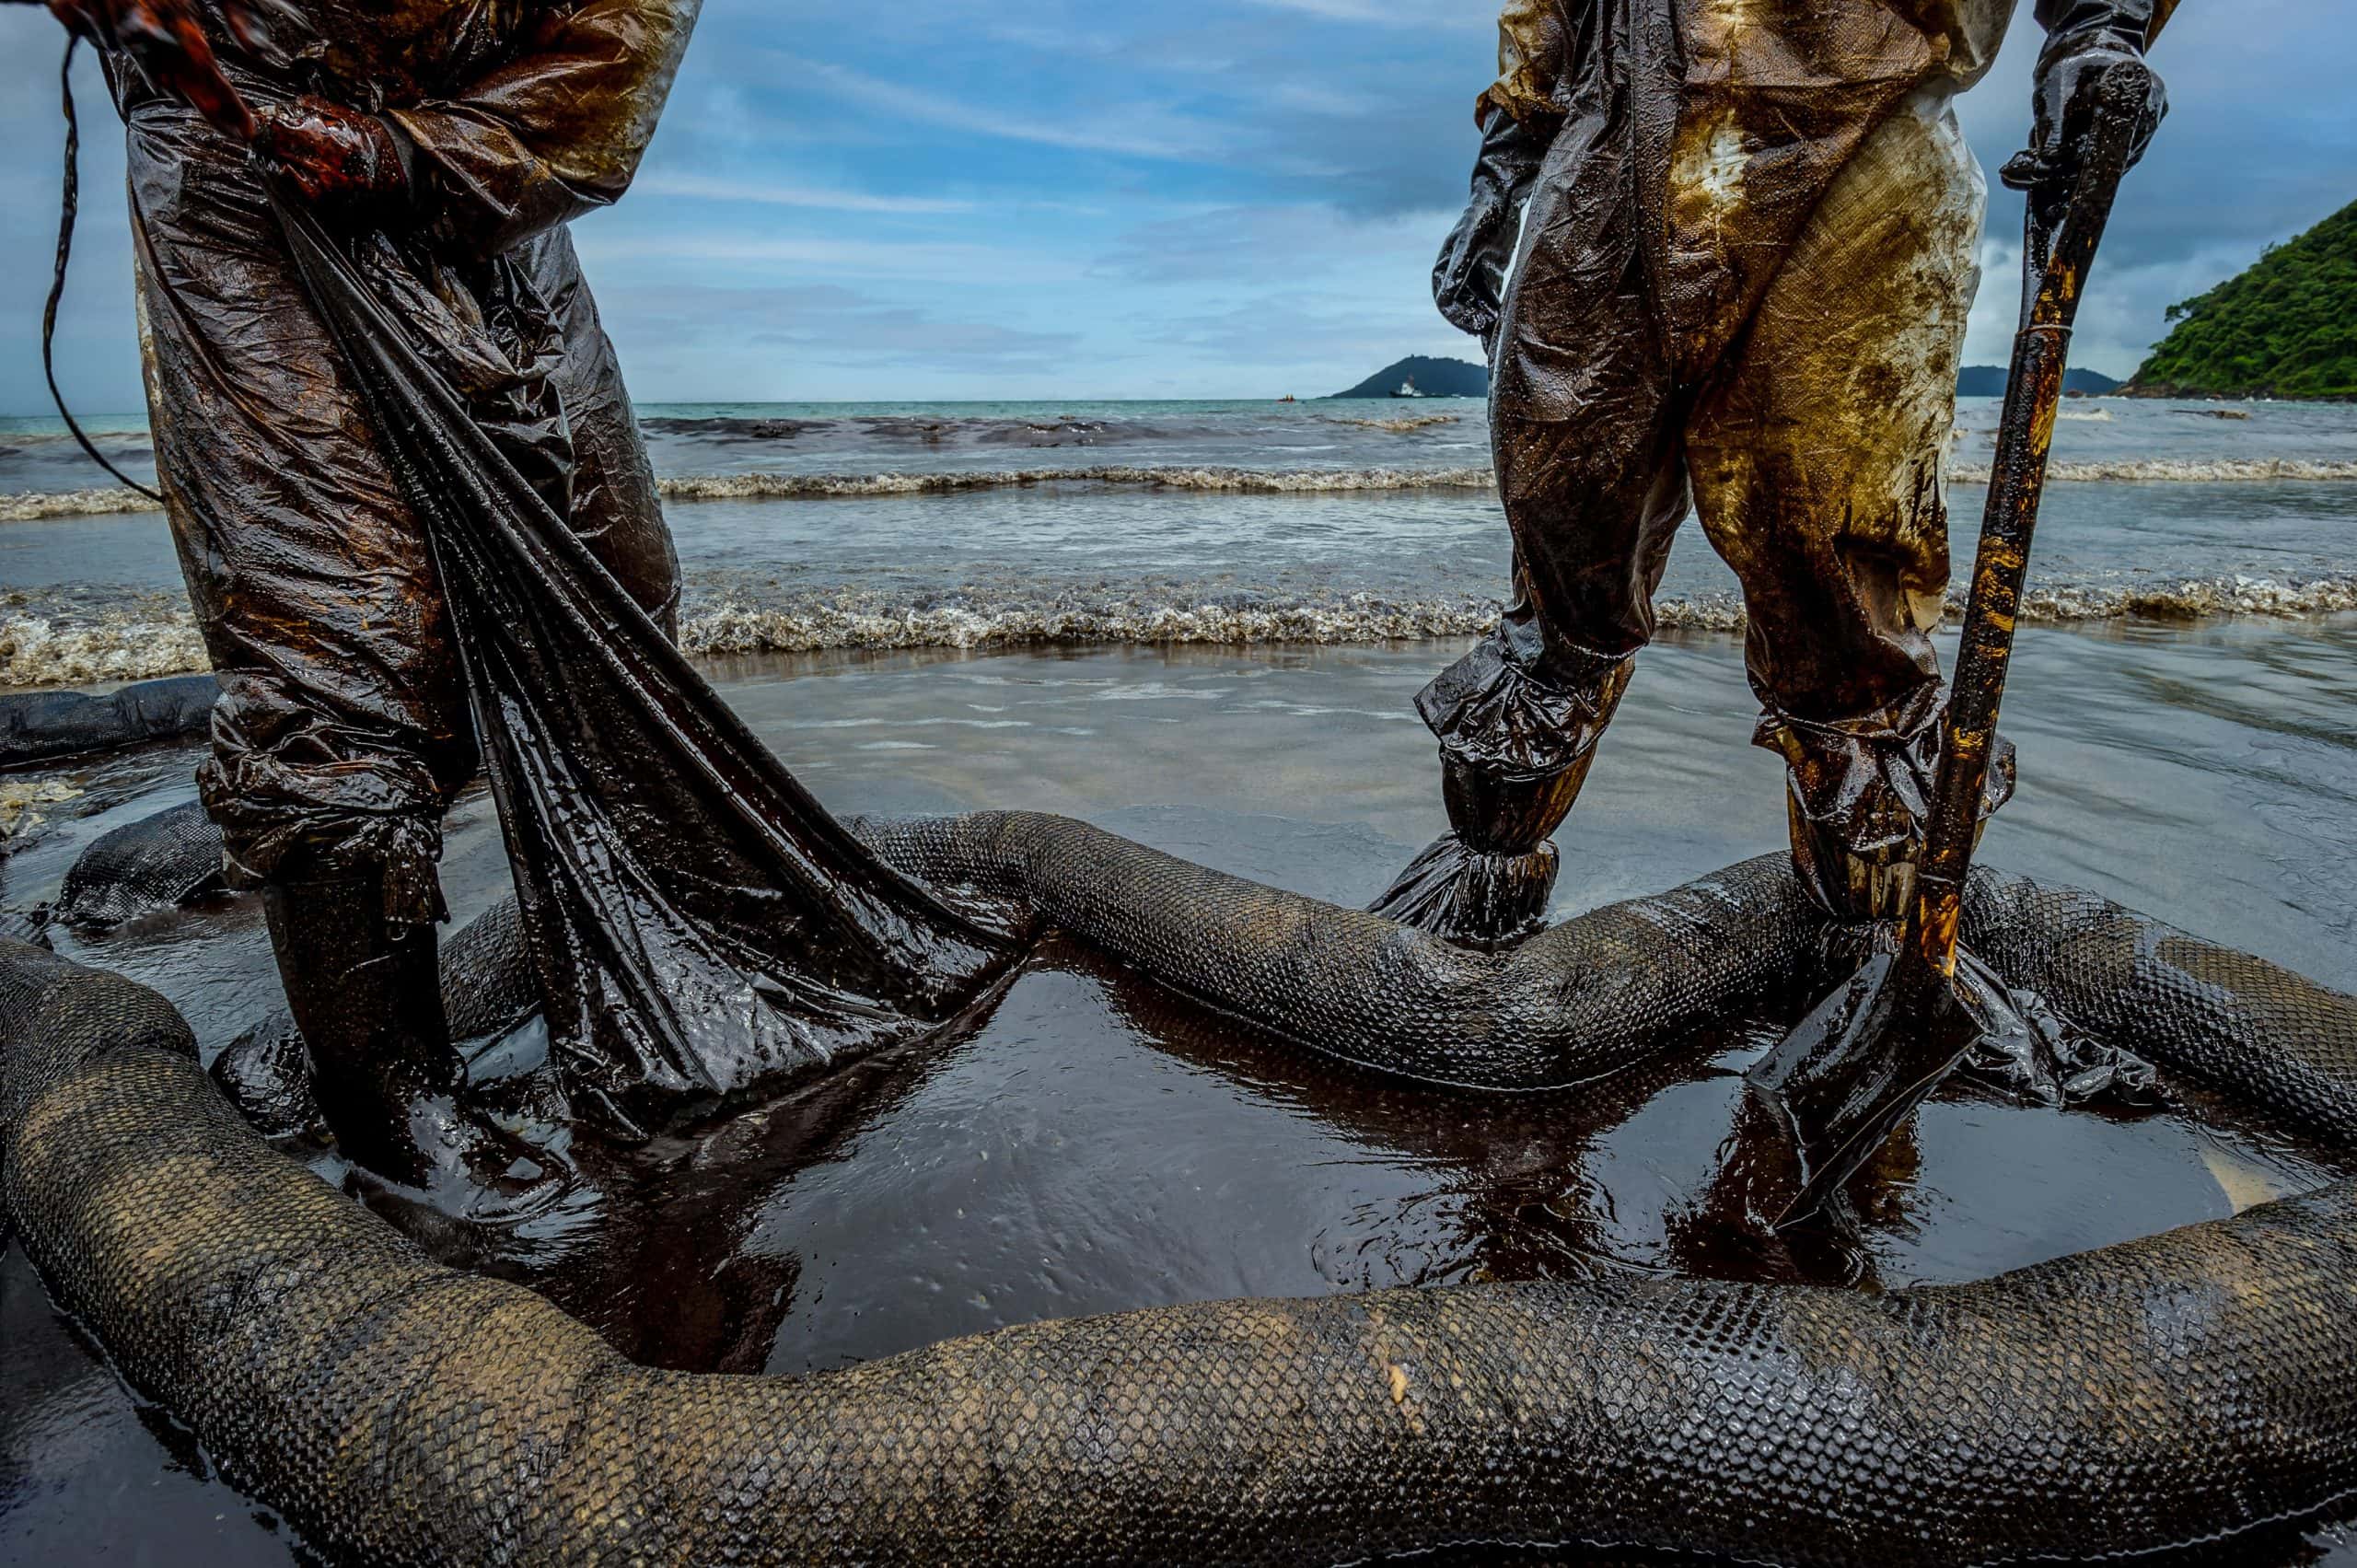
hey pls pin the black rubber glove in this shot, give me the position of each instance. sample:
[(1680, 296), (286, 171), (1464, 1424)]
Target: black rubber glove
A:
[(2087, 40), (335, 158), (1469, 281)]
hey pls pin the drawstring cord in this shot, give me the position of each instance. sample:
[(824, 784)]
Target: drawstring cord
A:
[(69, 205)]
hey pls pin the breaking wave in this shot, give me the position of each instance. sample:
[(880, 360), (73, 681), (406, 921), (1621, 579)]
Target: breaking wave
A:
[(2200, 599), (786, 486), (933, 430), (2179, 471), (855, 620), (31, 505), (1257, 481), (152, 636), (156, 637), (782, 486), (1401, 425)]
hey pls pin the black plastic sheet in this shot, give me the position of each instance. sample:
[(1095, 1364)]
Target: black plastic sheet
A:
[(698, 922)]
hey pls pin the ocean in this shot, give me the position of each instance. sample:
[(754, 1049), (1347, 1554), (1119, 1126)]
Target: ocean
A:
[(808, 527)]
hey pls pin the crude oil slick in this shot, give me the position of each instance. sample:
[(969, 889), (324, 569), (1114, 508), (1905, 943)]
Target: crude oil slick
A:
[(1094, 1145)]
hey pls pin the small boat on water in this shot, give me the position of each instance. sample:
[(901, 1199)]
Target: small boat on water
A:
[(1408, 390)]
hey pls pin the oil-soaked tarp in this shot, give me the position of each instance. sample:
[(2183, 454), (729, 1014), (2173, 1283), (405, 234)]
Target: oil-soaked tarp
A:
[(698, 921)]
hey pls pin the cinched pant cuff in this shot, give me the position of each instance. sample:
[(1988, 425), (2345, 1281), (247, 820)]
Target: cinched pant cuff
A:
[(1477, 898)]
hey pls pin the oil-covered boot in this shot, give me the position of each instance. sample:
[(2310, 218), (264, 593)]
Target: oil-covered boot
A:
[(1515, 747), (1855, 793), (1855, 884), (366, 994), (1856, 808), (1488, 881)]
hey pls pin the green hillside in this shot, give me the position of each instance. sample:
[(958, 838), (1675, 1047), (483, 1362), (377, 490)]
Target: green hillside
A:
[(1433, 378), (2286, 327)]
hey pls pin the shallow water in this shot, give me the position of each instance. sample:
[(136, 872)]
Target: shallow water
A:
[(1095, 1145)]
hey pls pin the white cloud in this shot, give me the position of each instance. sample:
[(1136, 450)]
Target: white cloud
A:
[(1260, 242), (704, 187), (671, 251), (1136, 130), (1452, 15)]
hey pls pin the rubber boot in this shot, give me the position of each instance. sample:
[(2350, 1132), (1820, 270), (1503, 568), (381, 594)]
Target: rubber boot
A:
[(1489, 880), (1855, 885), (2026, 1048), (368, 997)]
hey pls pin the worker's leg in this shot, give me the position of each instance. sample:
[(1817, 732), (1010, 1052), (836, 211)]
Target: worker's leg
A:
[(1587, 429), (1593, 502), (1818, 468), (342, 725)]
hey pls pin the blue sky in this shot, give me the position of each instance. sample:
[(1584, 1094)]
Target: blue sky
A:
[(1155, 198)]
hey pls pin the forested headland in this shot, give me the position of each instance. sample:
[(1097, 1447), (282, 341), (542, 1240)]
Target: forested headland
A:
[(2284, 327)]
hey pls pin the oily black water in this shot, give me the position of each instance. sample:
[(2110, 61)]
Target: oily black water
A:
[(1096, 1145), (1092, 1144)]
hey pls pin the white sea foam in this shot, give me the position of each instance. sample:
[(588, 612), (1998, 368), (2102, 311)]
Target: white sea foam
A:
[(32, 504), (1403, 425), (781, 486), (741, 628), (146, 641), (2180, 470), (851, 620), (1258, 481), (2206, 599), (20, 799), (1172, 616), (131, 644), (2056, 604)]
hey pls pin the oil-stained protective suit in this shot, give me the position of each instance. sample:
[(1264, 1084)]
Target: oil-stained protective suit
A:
[(474, 130), (1743, 278), (343, 725)]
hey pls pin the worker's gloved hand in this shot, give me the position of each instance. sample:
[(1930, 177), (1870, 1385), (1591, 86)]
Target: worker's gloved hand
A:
[(336, 160), (1469, 281), (166, 40), (2094, 41)]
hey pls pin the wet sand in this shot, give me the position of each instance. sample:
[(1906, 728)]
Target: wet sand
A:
[(1095, 1145)]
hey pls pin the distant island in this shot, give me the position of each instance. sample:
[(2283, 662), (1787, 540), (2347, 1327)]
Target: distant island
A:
[(1462, 379), (1433, 378), (1988, 381), (2284, 327)]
